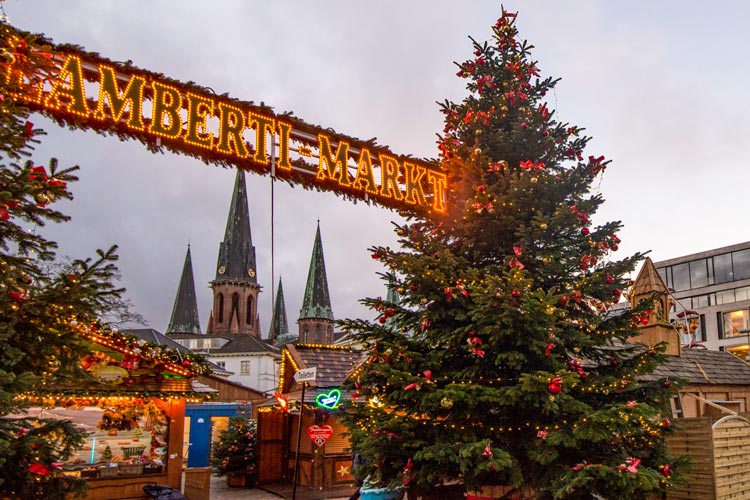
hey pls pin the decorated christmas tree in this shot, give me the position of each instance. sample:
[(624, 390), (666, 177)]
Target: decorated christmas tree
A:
[(106, 455), (235, 450), (504, 362), (43, 303)]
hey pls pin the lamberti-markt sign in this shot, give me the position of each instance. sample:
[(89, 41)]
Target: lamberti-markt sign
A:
[(87, 91)]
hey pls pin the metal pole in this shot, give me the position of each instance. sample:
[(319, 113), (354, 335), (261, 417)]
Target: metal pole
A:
[(299, 437)]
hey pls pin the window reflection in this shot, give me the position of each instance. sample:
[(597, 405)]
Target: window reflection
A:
[(723, 268), (741, 264), (736, 322), (681, 277), (698, 274)]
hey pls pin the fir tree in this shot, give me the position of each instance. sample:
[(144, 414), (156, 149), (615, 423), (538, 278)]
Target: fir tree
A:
[(506, 366), (43, 302), (235, 450)]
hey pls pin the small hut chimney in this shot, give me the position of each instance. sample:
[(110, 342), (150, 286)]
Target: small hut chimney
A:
[(649, 285)]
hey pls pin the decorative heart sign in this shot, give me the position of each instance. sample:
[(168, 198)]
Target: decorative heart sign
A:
[(319, 434), (329, 400)]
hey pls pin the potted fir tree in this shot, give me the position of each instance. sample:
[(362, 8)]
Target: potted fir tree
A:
[(234, 454)]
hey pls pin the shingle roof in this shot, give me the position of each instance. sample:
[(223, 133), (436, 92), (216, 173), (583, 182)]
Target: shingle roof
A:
[(235, 343), (648, 280), (700, 366), (333, 363)]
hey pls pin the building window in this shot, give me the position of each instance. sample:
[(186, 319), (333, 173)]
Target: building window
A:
[(735, 323), (725, 297), (244, 367), (698, 274), (741, 264), (221, 364), (220, 312), (235, 312), (723, 268), (681, 277), (249, 312)]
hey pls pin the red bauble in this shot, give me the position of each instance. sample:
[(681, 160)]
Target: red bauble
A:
[(610, 279), (555, 387), (585, 231)]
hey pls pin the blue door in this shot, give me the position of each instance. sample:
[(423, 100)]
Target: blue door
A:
[(199, 449)]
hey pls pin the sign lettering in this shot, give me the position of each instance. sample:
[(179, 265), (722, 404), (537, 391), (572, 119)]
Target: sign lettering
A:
[(88, 91), (306, 375), (319, 434)]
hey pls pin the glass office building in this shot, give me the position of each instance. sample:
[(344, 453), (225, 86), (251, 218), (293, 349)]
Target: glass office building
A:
[(712, 294)]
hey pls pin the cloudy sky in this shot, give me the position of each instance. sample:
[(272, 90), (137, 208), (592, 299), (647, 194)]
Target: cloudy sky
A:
[(658, 85)]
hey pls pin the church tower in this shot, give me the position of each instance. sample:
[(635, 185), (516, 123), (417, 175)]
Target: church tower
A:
[(185, 311), (316, 316), (235, 287), (279, 331)]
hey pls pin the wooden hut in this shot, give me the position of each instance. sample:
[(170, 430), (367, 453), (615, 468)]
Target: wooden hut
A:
[(712, 407), (307, 436), (133, 407)]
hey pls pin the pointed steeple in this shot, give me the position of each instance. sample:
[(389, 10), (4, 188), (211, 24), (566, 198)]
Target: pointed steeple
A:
[(316, 316), (279, 324), (236, 289), (185, 311), (317, 301), (655, 328), (236, 253)]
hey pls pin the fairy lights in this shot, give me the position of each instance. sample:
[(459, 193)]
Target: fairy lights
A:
[(85, 91)]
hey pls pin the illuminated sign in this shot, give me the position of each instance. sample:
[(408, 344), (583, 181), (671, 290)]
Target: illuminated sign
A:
[(319, 434), (329, 400), (87, 91)]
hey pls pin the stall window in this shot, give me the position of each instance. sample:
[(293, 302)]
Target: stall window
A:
[(123, 439)]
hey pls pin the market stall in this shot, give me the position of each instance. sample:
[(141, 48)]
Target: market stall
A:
[(132, 408)]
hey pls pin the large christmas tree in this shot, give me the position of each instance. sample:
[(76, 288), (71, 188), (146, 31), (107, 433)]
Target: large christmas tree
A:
[(43, 302), (503, 363)]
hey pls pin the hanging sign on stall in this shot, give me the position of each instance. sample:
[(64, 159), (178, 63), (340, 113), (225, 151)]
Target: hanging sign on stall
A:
[(329, 400), (306, 375), (319, 434), (87, 91)]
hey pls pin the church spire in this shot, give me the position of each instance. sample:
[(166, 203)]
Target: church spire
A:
[(279, 325), (235, 288), (185, 311), (316, 315), (236, 253)]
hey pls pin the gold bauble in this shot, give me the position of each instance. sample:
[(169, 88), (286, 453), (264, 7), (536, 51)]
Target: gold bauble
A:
[(446, 402), (543, 226), (534, 180)]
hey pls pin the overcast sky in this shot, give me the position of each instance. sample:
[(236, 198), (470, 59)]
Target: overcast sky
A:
[(659, 85)]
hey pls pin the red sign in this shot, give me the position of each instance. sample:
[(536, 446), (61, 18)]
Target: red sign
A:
[(319, 434)]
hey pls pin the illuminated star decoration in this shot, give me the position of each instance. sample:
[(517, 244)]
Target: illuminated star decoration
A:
[(343, 470)]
